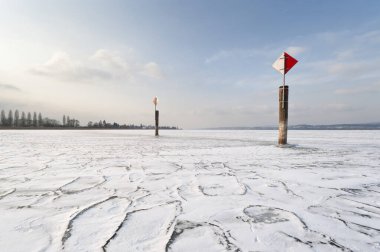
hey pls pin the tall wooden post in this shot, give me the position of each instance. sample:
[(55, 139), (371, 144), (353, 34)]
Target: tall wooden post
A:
[(283, 114), (283, 64), (157, 115)]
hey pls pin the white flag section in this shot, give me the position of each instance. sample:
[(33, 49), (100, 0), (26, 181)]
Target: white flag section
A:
[(279, 64)]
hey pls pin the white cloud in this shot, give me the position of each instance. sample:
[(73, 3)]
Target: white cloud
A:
[(338, 107), (9, 87), (151, 69), (369, 37), (252, 52), (220, 55), (354, 69), (235, 53), (110, 58), (295, 50), (63, 67), (103, 64), (358, 89), (330, 37), (345, 54)]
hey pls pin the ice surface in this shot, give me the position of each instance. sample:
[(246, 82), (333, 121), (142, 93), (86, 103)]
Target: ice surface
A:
[(189, 191)]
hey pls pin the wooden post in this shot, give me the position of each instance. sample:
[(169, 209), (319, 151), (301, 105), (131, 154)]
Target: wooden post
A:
[(157, 120), (283, 115)]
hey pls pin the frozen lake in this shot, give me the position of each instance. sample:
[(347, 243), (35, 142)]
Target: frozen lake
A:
[(189, 191)]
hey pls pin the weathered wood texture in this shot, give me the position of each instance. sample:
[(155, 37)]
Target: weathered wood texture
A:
[(157, 121), (283, 115)]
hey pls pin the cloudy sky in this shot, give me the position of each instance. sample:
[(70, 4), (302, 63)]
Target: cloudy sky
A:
[(209, 62)]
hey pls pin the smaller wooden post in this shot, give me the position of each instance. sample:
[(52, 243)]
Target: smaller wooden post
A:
[(157, 121), (283, 115), (156, 114)]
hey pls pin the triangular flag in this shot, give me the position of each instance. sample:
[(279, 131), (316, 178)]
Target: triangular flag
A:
[(289, 62)]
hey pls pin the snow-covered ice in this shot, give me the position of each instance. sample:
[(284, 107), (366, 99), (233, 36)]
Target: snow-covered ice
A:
[(189, 191)]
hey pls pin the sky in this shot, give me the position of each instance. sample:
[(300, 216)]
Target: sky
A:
[(209, 62)]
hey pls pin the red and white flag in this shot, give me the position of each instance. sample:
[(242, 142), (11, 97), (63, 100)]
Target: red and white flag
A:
[(284, 63)]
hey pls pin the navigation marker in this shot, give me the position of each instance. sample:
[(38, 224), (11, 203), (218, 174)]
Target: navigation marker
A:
[(283, 64)]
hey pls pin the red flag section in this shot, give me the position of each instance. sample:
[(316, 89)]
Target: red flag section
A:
[(289, 62)]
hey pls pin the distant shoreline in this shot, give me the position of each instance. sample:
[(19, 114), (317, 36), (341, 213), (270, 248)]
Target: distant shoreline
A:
[(78, 128), (364, 126), (368, 126), (232, 129)]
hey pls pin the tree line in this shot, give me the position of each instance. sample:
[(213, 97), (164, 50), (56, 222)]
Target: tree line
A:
[(33, 120), (114, 125), (36, 120)]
